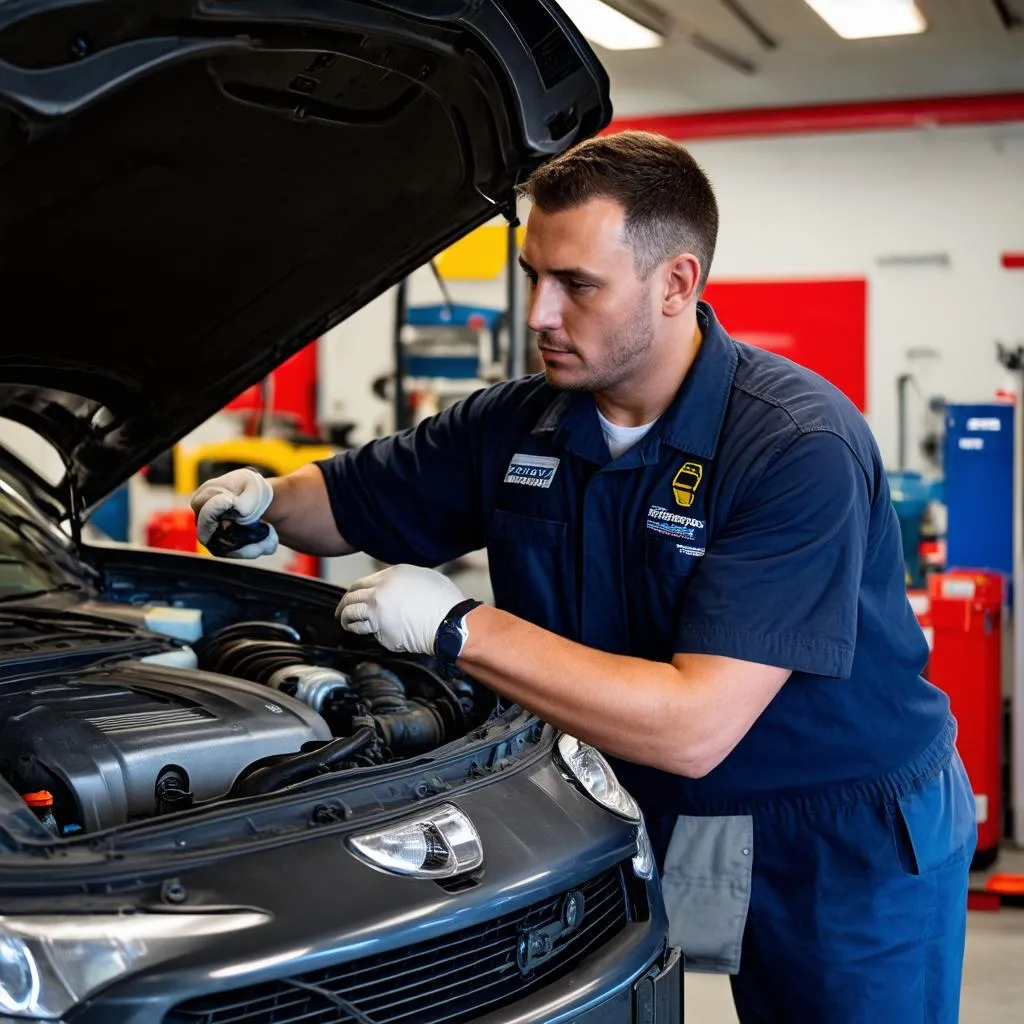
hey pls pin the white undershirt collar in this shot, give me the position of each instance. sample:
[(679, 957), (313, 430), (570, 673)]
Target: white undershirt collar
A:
[(620, 439)]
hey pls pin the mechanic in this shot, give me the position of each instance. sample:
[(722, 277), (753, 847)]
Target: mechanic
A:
[(696, 568)]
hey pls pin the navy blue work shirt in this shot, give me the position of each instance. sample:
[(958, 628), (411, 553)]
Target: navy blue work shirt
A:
[(752, 521)]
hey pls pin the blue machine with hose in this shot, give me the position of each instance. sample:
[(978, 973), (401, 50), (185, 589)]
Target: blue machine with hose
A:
[(911, 494)]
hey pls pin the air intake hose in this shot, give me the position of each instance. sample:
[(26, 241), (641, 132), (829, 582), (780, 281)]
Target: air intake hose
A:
[(299, 767), (402, 724)]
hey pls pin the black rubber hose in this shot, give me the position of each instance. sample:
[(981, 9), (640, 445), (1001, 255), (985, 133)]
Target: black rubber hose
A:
[(418, 728), (212, 647), (256, 660), (303, 766)]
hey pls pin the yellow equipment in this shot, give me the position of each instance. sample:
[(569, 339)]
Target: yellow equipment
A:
[(270, 456)]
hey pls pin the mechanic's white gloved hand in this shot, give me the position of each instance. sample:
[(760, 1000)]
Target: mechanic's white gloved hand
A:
[(401, 606), (242, 495)]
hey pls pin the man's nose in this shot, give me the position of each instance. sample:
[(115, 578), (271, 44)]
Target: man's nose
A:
[(545, 308)]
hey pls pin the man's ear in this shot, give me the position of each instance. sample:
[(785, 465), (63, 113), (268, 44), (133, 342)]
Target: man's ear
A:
[(682, 283)]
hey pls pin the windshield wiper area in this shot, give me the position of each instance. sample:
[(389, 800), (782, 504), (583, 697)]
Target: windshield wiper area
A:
[(49, 548), (52, 639), (47, 622), (28, 595)]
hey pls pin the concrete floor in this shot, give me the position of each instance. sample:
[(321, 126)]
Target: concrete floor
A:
[(993, 984)]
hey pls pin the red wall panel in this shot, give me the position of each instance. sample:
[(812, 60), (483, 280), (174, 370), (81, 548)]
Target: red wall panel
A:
[(821, 324), (293, 389)]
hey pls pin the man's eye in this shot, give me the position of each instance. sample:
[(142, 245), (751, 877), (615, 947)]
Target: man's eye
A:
[(580, 286)]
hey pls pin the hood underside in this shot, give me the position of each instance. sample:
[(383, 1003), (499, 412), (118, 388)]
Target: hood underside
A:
[(193, 191)]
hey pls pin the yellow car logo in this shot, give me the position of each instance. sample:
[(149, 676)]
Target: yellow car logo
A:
[(686, 482)]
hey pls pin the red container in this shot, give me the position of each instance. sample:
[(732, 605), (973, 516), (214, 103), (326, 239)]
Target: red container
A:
[(173, 529), (966, 662)]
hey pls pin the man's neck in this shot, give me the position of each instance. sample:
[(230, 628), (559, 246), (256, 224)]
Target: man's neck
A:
[(642, 400)]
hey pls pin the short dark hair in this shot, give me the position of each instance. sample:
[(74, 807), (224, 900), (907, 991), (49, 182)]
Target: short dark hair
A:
[(669, 204)]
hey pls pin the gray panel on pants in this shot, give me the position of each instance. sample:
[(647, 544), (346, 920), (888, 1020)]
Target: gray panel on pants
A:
[(706, 883)]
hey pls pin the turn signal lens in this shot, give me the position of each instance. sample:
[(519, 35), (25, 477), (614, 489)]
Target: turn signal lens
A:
[(439, 844), (643, 861)]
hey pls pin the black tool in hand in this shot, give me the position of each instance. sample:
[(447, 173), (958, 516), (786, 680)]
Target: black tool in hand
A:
[(232, 535)]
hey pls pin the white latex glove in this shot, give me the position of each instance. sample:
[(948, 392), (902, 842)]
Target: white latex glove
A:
[(401, 606), (242, 495)]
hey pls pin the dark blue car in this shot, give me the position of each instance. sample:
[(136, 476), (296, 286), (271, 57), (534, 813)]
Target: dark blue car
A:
[(214, 807)]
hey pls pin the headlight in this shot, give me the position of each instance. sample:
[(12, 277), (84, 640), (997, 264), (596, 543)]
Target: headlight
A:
[(48, 964), (595, 776), (19, 976), (437, 844), (643, 861)]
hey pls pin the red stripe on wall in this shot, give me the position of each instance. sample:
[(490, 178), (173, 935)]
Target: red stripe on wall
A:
[(831, 117), (1013, 260)]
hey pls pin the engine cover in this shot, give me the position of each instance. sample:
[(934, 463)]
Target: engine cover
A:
[(109, 734)]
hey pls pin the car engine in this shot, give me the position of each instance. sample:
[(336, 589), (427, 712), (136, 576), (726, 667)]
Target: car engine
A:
[(128, 740)]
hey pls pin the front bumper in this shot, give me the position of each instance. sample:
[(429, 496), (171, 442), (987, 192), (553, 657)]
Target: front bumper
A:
[(656, 998), (653, 997), (339, 923)]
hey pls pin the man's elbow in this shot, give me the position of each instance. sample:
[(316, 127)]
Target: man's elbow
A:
[(693, 760), (692, 768)]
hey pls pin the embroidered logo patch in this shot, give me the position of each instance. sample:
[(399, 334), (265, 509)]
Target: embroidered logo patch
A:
[(688, 532), (686, 482), (532, 470)]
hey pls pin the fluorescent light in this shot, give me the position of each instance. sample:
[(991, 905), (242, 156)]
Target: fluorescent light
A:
[(868, 19), (608, 27)]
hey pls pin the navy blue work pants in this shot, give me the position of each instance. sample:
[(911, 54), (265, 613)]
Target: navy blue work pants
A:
[(858, 902)]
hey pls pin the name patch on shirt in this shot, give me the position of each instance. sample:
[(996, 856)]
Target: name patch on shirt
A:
[(532, 470), (685, 530)]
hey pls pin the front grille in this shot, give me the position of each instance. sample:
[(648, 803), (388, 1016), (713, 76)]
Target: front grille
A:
[(450, 979)]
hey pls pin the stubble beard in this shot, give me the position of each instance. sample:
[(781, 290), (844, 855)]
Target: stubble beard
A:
[(621, 356)]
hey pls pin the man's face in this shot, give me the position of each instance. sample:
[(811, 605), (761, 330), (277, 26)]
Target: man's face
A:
[(593, 317)]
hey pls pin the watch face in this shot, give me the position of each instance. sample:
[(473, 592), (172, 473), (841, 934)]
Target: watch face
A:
[(449, 642)]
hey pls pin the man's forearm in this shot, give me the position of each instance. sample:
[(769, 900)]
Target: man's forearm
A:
[(684, 717), (301, 514), (642, 711)]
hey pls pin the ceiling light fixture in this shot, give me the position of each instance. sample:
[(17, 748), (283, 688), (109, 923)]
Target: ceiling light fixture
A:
[(870, 19), (609, 27)]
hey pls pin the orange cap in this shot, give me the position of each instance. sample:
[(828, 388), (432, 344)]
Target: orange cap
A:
[(42, 798)]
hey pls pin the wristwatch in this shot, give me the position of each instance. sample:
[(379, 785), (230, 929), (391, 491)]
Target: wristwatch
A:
[(451, 635)]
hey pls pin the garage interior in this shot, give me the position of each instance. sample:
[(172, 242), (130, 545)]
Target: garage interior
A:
[(868, 159)]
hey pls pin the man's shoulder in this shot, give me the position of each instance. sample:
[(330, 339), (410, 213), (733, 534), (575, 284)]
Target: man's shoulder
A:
[(783, 401), (512, 401), (799, 395), (804, 397)]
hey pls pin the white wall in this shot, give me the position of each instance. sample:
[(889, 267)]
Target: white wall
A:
[(32, 449), (827, 205), (832, 205)]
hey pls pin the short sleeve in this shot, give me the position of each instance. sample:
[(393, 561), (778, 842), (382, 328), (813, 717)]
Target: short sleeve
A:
[(780, 582), (413, 497)]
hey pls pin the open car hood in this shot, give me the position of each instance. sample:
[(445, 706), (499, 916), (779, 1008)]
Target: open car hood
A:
[(195, 190)]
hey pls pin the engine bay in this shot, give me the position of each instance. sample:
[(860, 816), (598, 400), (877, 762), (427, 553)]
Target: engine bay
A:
[(248, 709)]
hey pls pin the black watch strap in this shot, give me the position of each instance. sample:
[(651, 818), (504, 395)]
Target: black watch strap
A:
[(448, 638)]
